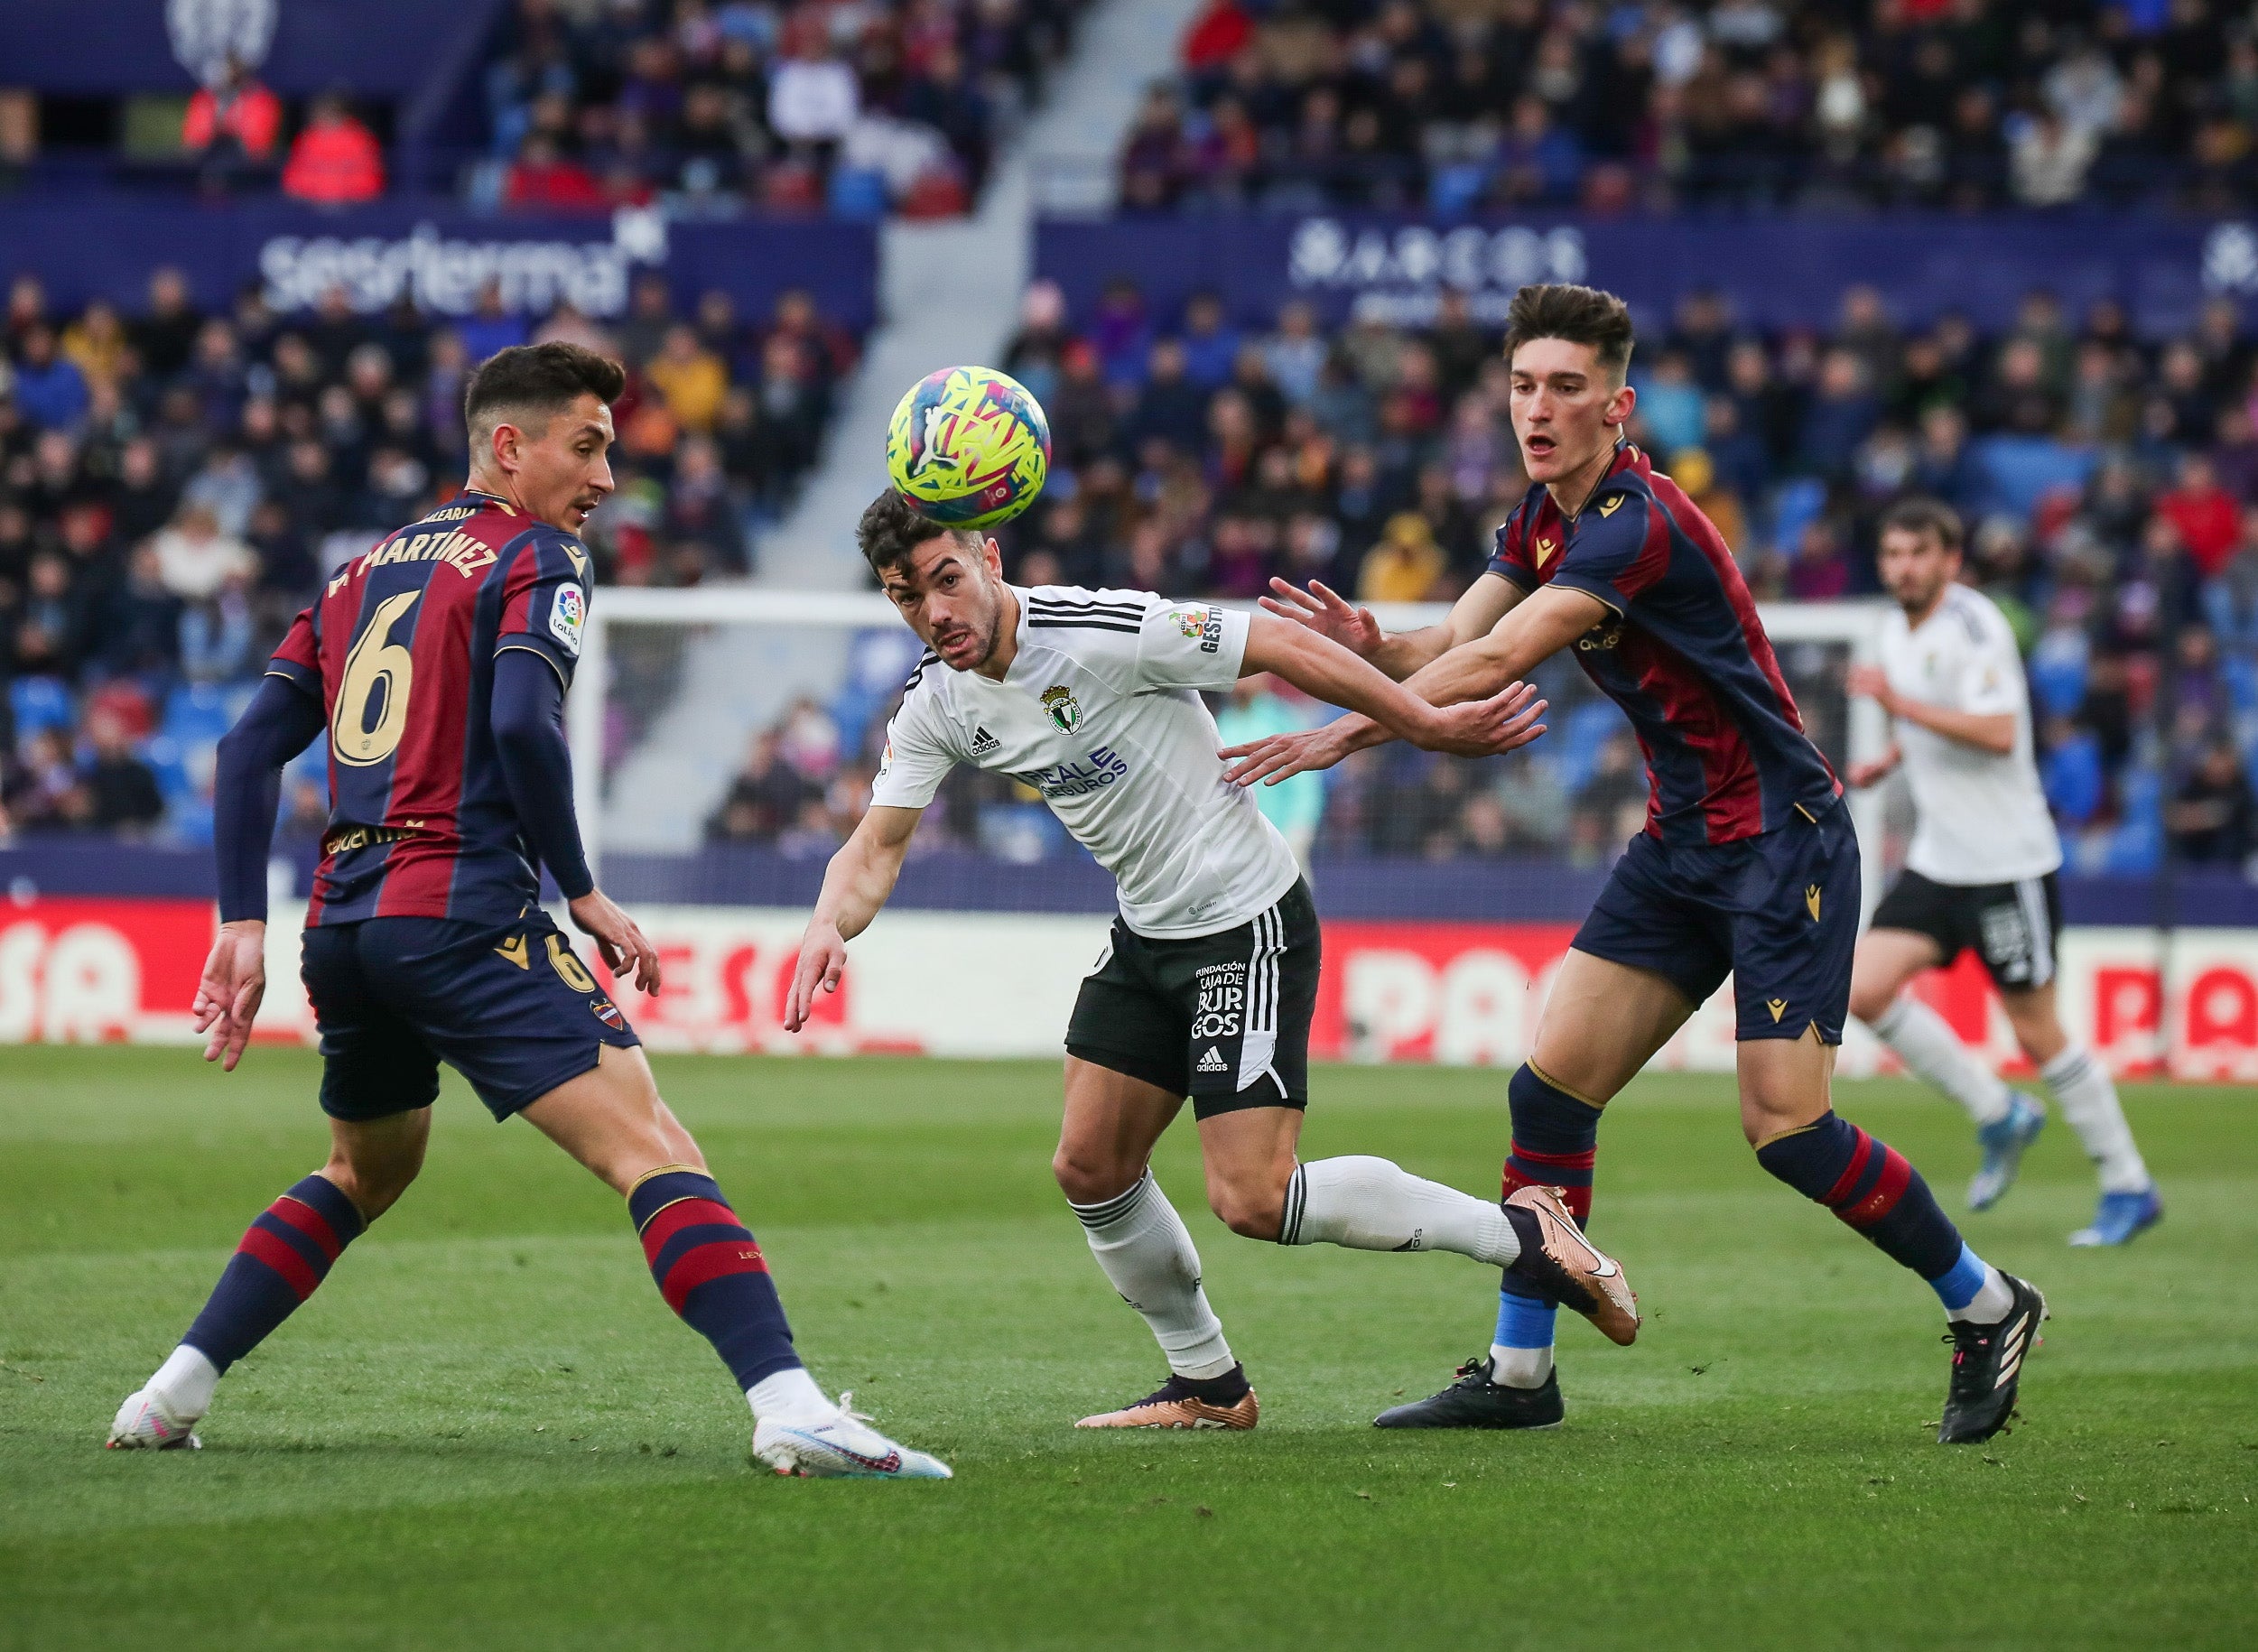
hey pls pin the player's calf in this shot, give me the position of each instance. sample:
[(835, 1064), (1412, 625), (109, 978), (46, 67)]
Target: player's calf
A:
[(281, 1260)]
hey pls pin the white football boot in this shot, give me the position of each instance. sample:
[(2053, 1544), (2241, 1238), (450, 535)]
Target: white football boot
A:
[(146, 1423), (841, 1447)]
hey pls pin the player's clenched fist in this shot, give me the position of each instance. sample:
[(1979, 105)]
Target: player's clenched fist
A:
[(822, 960)]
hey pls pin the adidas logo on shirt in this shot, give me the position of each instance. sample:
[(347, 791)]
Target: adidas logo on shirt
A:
[(983, 742), (1213, 1061)]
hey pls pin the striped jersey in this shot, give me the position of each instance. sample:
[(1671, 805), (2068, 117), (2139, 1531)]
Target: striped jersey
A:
[(1681, 651), (401, 647), (1101, 714)]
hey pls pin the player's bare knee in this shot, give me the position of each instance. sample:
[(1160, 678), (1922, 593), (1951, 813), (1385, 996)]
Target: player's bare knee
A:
[(1088, 1177), (1869, 1000), (373, 1185), (1253, 1209)]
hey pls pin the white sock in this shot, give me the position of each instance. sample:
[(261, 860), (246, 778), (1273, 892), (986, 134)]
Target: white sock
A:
[(2088, 1099), (1520, 1368), (186, 1379), (1934, 1051), (1991, 1302), (789, 1397), (1147, 1252), (1370, 1204)]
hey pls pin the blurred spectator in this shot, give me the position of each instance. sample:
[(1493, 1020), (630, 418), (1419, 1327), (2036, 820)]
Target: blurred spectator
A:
[(764, 798), (1254, 709), (691, 378), (1405, 566), (236, 119), (119, 790), (2211, 817), (335, 160)]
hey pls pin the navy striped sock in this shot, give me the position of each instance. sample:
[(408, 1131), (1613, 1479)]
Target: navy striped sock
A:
[(1871, 1186), (712, 1272), (283, 1255)]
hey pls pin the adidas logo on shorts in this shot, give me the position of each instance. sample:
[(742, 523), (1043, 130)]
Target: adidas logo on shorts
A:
[(1213, 1061), (983, 742)]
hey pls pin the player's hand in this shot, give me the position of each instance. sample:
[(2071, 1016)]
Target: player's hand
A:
[(1324, 611), (1864, 775), (1278, 756), (822, 960), (619, 939), (1484, 728), (229, 994), (1872, 683)]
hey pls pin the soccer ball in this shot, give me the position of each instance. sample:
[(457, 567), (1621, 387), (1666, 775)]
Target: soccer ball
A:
[(969, 447)]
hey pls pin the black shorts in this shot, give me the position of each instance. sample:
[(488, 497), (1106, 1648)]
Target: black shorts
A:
[(1221, 1019), (1777, 911), (2012, 927), (510, 1007)]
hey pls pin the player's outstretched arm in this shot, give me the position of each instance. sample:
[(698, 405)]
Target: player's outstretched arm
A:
[(1319, 666), (279, 723), (1530, 633), (1398, 655), (856, 883)]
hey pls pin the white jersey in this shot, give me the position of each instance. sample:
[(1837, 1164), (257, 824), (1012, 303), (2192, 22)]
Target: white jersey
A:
[(1983, 817), (1101, 713)]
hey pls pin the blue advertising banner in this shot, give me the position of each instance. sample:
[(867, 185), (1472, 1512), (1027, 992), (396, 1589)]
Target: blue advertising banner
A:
[(383, 47), (437, 252), (1777, 272)]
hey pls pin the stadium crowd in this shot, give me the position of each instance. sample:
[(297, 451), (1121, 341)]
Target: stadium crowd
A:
[(174, 485), (2110, 485), (792, 107), (1460, 104)]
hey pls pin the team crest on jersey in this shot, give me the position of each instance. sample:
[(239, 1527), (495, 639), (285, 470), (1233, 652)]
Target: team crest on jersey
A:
[(567, 613), (607, 1012), (1063, 708)]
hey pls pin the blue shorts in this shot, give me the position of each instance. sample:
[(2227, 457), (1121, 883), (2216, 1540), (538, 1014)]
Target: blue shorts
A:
[(510, 1007), (1777, 911)]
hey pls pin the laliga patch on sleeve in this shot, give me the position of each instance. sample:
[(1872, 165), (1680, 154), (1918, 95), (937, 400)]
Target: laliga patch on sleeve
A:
[(568, 610)]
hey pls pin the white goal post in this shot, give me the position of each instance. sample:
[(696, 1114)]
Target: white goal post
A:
[(1856, 624)]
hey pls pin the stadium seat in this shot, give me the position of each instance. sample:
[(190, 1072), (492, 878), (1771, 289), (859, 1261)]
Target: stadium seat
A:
[(858, 192), (1795, 506), (2018, 471), (38, 703), (2057, 670)]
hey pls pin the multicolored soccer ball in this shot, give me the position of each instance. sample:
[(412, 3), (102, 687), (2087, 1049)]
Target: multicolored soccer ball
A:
[(969, 447)]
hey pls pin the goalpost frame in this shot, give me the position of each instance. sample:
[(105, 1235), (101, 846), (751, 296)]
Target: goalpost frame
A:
[(1856, 624)]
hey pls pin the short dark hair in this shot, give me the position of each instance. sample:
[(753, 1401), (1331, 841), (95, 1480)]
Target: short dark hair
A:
[(530, 382), (1923, 516), (1581, 315), (891, 528)]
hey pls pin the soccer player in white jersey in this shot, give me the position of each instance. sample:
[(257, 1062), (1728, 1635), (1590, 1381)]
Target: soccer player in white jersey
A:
[(1208, 981), (1980, 875)]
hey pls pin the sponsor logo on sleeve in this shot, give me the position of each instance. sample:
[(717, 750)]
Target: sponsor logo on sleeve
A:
[(568, 611), (1203, 626)]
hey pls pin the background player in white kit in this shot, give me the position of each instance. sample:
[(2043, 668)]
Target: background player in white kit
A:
[(1209, 978), (1980, 874)]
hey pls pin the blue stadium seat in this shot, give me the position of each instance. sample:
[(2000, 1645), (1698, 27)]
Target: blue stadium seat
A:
[(858, 192), (2018, 471), (2057, 675), (1795, 504), (38, 702), (2135, 846), (1586, 731)]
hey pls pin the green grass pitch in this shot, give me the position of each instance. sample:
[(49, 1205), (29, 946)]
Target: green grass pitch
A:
[(487, 1432)]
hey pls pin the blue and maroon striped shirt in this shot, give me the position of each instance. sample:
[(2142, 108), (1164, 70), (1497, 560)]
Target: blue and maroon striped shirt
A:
[(1683, 653), (400, 648)]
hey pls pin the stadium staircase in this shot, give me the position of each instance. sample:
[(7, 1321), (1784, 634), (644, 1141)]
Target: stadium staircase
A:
[(950, 292)]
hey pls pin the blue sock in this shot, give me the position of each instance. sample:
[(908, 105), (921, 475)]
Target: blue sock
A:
[(1956, 1286), (283, 1257), (710, 1271), (1525, 1321)]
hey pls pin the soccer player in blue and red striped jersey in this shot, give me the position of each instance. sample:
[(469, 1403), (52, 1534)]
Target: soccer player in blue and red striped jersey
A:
[(1748, 865), (437, 666)]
